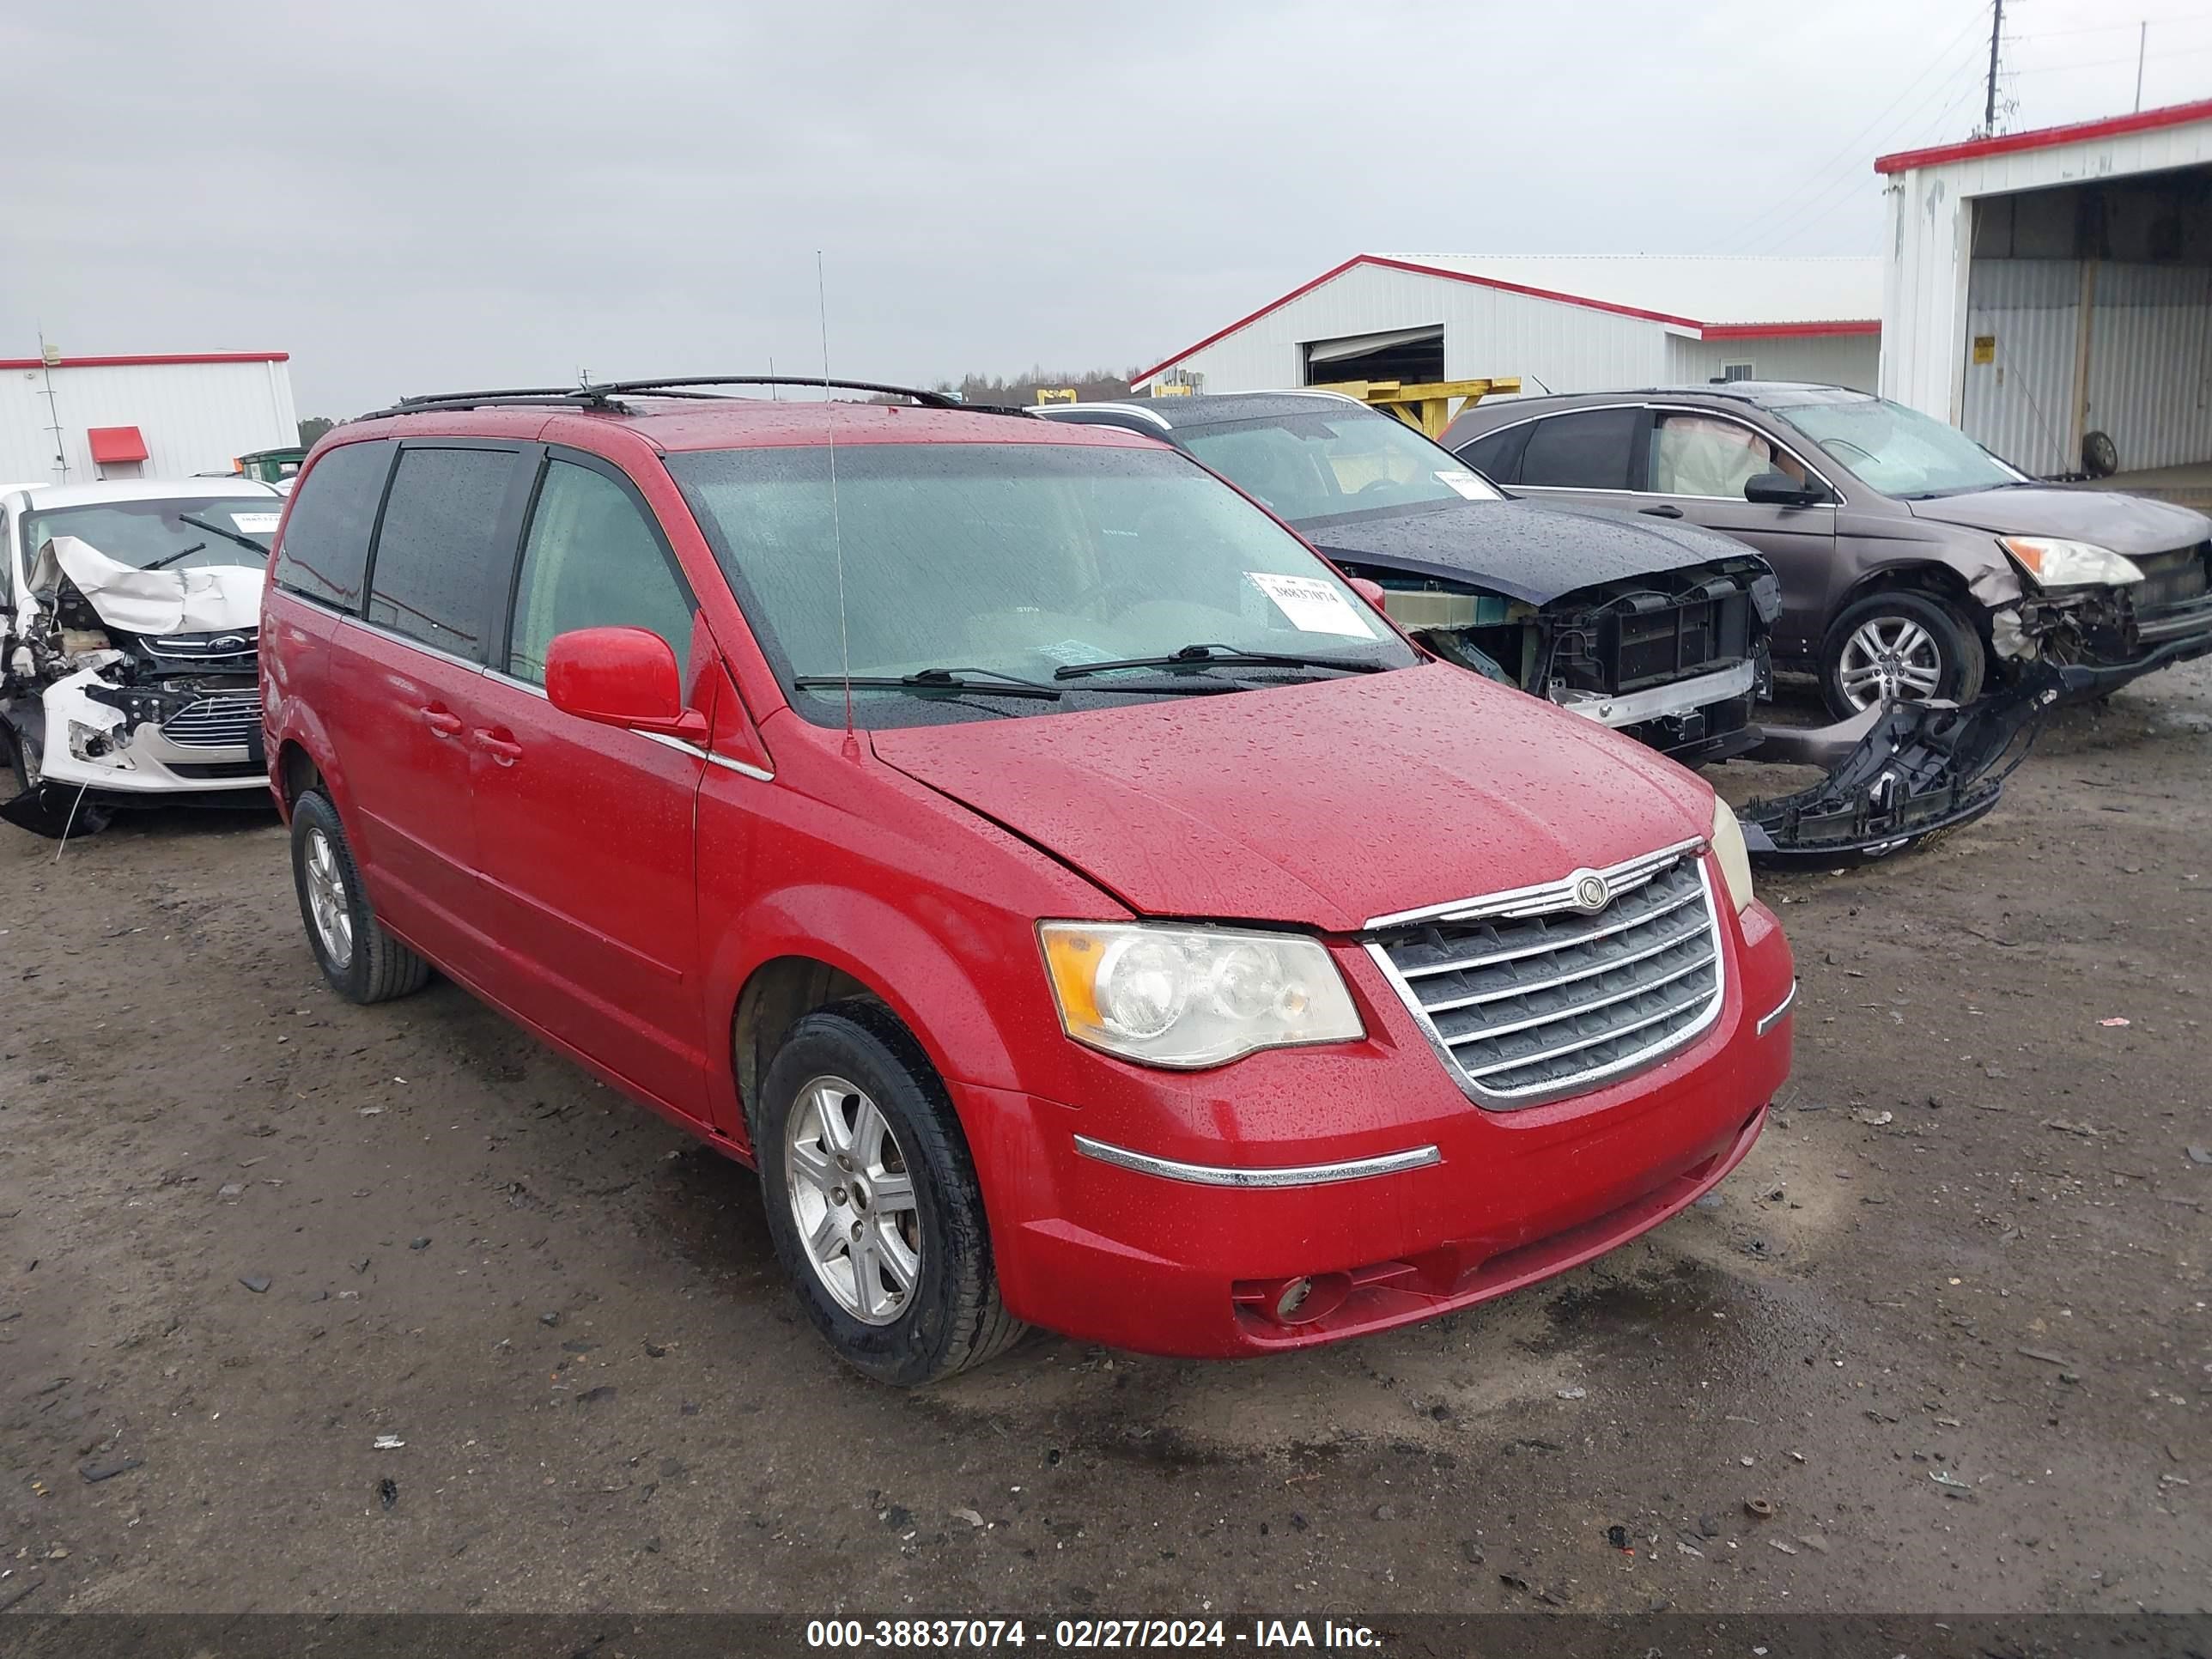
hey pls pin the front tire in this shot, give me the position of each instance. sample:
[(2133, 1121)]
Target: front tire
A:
[(362, 962), (873, 1201), (1899, 646)]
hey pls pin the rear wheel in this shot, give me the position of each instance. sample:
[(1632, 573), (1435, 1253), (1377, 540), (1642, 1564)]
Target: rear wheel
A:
[(362, 962), (872, 1200), (1899, 646)]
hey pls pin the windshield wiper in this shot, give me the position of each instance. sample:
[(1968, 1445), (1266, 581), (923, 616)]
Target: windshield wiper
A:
[(989, 682), (1218, 656), (168, 559), (238, 536)]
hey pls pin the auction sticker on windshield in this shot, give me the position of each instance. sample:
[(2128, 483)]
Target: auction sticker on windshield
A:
[(1465, 483), (1311, 606), (257, 524)]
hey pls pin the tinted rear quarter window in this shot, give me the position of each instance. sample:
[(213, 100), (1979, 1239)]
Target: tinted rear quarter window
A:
[(445, 538), (1497, 456), (325, 546), (1585, 449)]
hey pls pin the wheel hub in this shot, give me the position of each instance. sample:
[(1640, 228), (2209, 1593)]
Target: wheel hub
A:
[(853, 1200), (328, 906)]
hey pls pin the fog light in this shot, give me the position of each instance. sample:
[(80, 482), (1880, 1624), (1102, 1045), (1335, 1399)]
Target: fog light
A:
[(1292, 1298)]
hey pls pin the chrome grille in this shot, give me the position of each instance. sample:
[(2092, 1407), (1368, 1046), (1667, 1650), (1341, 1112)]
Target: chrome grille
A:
[(223, 722), (1530, 996), (209, 648)]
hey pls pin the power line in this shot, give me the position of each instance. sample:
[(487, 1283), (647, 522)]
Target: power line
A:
[(1810, 209), (1847, 161)]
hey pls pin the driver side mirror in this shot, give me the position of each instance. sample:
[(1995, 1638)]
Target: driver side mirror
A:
[(624, 677), (1369, 591), (1780, 490)]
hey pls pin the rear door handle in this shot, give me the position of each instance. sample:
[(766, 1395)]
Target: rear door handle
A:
[(499, 745), (442, 722), (1662, 511)]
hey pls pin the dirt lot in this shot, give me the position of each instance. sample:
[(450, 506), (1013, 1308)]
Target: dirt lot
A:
[(1949, 1322)]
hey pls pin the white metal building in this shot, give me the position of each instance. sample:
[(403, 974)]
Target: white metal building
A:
[(2044, 287), (77, 420), (1568, 325)]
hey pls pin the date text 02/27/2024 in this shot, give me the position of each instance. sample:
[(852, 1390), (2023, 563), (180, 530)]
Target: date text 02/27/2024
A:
[(1084, 1634)]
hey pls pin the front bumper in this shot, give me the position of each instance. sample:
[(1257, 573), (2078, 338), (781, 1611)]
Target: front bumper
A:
[(131, 761), (1457, 1203)]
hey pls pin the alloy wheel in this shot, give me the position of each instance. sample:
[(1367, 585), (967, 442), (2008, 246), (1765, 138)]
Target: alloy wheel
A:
[(1890, 659), (853, 1199), (327, 903)]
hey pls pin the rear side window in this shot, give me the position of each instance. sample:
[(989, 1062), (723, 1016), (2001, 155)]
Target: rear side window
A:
[(1586, 449), (440, 541), (1498, 456), (325, 547), (592, 560)]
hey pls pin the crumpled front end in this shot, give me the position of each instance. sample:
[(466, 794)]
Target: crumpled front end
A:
[(105, 714), (2117, 634), (1676, 659)]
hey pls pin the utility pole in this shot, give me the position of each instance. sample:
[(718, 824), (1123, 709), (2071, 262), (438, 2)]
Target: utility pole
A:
[(1990, 109), (2143, 40)]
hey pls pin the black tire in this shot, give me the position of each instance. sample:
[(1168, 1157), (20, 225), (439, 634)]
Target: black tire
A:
[(1960, 663), (53, 811), (378, 966), (952, 1317)]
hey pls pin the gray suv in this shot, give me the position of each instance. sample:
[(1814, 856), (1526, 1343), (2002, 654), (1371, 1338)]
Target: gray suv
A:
[(1913, 563)]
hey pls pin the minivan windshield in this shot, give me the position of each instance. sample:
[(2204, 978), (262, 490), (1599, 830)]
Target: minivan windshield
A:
[(966, 562), (159, 535), (1325, 464), (1900, 451)]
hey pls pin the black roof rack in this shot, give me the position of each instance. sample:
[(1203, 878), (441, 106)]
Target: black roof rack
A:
[(605, 394)]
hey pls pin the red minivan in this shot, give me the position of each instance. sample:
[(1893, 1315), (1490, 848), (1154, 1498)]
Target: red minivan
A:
[(1081, 907)]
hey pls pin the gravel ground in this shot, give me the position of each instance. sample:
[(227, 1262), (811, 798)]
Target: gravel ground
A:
[(1942, 1343)]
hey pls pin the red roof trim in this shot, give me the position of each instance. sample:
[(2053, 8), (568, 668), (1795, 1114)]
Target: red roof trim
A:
[(111, 445), (1738, 330), (152, 360), (1790, 330), (2149, 120)]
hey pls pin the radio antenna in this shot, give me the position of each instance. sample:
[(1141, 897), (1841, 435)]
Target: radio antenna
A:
[(836, 529)]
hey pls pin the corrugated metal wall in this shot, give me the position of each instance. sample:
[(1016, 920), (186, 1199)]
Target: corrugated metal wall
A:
[(2150, 362), (1487, 332), (2021, 402), (1924, 292), (195, 417), (1851, 360)]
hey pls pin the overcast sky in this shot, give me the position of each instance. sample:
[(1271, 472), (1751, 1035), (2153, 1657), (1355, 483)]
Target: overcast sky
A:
[(413, 199)]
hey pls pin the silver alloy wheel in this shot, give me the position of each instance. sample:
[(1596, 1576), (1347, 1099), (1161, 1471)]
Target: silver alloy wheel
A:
[(853, 1199), (1890, 659), (326, 901)]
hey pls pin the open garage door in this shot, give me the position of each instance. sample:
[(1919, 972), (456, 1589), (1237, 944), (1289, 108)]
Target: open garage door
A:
[(2089, 327), (1413, 356)]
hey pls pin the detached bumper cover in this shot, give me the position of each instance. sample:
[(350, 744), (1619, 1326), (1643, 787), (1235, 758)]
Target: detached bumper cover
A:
[(1901, 773)]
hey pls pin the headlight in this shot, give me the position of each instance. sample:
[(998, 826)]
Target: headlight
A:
[(2068, 565), (1190, 997), (1728, 848)]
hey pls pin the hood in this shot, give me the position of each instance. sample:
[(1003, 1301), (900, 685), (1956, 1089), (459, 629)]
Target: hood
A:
[(2126, 524), (1519, 549), (1321, 804), (208, 599)]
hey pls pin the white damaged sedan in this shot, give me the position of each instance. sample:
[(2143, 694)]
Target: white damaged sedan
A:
[(128, 615)]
